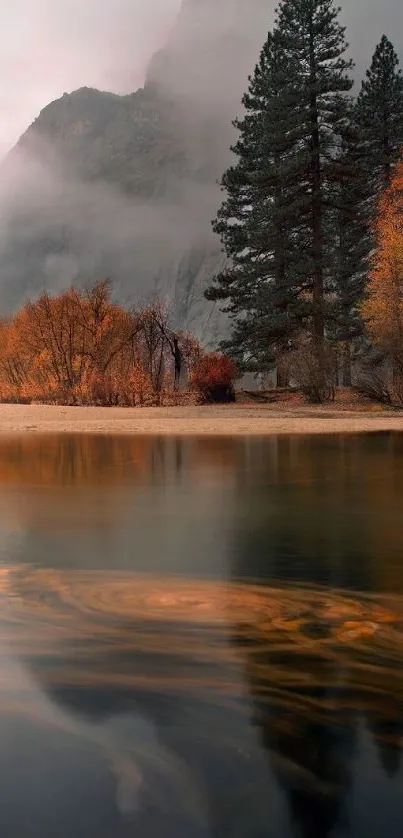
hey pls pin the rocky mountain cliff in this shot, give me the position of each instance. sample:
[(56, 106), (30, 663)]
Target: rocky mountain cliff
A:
[(125, 186)]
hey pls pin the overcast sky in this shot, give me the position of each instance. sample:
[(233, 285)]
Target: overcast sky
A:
[(48, 47)]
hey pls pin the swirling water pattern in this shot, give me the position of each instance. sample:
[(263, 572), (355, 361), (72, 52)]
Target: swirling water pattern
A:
[(160, 702)]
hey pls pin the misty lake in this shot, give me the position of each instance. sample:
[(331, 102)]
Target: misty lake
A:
[(201, 637)]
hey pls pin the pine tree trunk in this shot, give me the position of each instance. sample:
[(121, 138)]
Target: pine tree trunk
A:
[(387, 167), (282, 377), (397, 382), (317, 221), (346, 379)]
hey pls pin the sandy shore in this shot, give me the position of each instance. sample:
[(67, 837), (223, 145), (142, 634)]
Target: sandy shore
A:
[(232, 420)]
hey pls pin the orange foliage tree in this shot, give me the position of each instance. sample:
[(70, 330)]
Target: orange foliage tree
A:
[(383, 308), (81, 347), (14, 362)]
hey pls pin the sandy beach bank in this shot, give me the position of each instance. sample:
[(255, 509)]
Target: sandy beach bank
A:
[(238, 420)]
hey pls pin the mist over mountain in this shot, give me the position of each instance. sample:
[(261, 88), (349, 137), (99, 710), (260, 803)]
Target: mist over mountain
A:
[(126, 186)]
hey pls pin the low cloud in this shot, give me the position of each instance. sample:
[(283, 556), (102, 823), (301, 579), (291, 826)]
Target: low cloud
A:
[(54, 228), (48, 47)]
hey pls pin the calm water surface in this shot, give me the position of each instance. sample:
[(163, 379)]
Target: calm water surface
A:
[(201, 638)]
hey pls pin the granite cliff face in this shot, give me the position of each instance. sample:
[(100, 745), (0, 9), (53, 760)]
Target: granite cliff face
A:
[(126, 186)]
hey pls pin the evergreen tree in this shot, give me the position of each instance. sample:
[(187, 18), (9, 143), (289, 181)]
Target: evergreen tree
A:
[(277, 224), (314, 42), (351, 250), (379, 114), (258, 222), (371, 149)]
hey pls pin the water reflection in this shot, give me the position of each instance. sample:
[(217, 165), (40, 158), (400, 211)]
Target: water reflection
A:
[(323, 510), (139, 697), (150, 674)]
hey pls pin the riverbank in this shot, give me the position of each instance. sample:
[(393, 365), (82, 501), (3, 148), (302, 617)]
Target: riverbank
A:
[(231, 420)]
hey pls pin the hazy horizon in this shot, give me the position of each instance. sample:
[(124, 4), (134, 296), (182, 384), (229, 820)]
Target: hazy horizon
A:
[(59, 225)]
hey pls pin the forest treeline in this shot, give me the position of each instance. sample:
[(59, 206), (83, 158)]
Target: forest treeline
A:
[(81, 347), (311, 220)]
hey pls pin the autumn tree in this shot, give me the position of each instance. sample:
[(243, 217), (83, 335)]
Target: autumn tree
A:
[(71, 338), (108, 342), (14, 363), (49, 333), (107, 330), (383, 309), (83, 347)]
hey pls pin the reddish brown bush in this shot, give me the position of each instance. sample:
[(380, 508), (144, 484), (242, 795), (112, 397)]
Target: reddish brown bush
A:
[(213, 377)]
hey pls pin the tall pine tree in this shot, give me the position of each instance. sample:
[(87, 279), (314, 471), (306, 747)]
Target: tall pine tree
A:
[(377, 140), (314, 42), (277, 223), (259, 221), (350, 250), (379, 114)]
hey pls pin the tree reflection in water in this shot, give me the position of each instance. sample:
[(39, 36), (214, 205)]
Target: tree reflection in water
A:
[(157, 653)]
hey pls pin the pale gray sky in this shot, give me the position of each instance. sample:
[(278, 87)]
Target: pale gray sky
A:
[(48, 47)]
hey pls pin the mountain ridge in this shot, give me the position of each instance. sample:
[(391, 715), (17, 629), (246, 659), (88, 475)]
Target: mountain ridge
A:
[(126, 185)]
